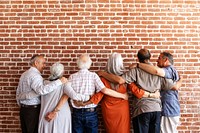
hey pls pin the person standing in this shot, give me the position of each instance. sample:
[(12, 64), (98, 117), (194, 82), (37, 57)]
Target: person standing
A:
[(146, 111), (31, 80), (85, 119), (62, 122), (170, 103), (115, 111)]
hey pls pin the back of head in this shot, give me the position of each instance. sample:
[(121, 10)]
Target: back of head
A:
[(56, 70), (35, 58), (169, 56), (84, 62), (143, 54), (115, 64)]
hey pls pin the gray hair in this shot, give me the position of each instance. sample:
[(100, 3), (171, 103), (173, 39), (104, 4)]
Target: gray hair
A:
[(115, 64), (56, 70), (84, 62), (169, 56), (34, 58)]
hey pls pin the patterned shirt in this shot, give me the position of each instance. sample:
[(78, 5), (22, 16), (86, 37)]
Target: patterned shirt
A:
[(31, 80), (86, 82)]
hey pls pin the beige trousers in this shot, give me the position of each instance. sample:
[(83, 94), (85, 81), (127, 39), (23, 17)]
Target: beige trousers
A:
[(169, 124)]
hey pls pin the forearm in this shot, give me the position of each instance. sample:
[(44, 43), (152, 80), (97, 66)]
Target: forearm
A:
[(40, 88), (112, 93), (74, 95), (61, 102), (112, 78), (152, 69)]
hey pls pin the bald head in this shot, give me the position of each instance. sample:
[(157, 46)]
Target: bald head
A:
[(84, 61)]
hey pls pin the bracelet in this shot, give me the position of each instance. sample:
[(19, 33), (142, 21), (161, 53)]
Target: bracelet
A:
[(56, 110)]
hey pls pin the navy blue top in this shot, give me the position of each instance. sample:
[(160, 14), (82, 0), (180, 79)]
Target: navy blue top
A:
[(169, 98)]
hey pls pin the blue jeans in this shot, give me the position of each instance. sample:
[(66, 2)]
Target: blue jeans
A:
[(84, 121), (147, 122)]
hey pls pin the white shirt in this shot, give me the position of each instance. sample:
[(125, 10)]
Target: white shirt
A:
[(87, 83), (31, 80)]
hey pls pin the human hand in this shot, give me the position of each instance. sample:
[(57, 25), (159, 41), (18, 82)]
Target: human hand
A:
[(133, 65), (63, 80), (156, 94), (78, 103), (50, 116)]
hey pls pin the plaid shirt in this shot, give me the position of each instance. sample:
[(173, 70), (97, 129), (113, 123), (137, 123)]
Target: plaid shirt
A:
[(86, 82)]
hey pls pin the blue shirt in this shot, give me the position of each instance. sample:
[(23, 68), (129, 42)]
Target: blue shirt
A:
[(169, 98)]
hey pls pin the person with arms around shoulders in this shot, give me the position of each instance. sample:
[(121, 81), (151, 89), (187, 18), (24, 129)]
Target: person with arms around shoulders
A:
[(85, 119), (170, 103), (146, 111), (31, 80), (62, 121), (115, 111)]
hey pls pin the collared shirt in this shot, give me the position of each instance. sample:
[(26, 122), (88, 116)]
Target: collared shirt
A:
[(150, 83), (31, 80), (169, 98), (86, 82)]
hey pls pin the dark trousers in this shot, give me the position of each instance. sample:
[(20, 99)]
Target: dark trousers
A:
[(29, 118), (84, 121), (147, 123)]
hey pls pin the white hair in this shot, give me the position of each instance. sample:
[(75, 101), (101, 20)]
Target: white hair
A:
[(84, 62), (115, 64), (56, 70)]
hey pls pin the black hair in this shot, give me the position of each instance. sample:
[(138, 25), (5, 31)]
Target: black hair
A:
[(143, 54)]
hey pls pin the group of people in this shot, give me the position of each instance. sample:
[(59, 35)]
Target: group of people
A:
[(44, 106)]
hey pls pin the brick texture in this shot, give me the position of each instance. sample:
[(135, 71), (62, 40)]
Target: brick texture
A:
[(63, 29)]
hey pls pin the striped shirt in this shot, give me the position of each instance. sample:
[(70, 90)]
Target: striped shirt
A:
[(31, 80), (87, 83)]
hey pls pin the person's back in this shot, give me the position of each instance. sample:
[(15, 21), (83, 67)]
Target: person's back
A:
[(49, 102), (150, 83)]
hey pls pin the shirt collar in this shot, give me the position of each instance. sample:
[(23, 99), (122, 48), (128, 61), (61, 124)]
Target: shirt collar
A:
[(83, 70), (35, 69)]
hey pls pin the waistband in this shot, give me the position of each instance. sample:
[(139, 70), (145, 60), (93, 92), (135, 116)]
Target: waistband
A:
[(84, 109), (30, 106)]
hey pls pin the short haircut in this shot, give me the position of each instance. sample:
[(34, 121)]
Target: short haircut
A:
[(169, 56), (34, 58), (115, 64), (84, 64), (143, 54)]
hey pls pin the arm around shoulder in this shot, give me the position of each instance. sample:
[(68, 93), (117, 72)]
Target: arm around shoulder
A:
[(152, 69)]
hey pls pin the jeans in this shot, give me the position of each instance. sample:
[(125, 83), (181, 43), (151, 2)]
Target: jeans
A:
[(84, 121), (147, 122)]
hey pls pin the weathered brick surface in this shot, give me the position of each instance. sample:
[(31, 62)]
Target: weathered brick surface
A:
[(63, 29)]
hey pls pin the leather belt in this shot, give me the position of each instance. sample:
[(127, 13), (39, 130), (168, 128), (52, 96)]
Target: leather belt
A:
[(84, 109), (30, 106)]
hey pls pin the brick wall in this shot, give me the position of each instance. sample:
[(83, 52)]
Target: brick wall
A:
[(63, 29)]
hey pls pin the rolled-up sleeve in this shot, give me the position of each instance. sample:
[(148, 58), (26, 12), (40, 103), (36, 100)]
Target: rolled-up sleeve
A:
[(136, 90)]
